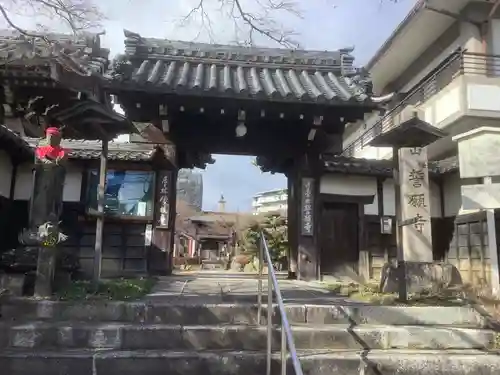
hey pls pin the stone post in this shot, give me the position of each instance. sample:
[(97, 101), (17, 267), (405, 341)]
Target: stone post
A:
[(416, 270), (415, 205)]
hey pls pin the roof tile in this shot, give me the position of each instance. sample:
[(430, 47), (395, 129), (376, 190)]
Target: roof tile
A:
[(343, 164), (278, 74), (13, 143), (83, 51), (89, 150)]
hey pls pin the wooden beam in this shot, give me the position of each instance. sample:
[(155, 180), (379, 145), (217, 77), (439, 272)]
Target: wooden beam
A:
[(12, 187), (100, 209), (384, 239)]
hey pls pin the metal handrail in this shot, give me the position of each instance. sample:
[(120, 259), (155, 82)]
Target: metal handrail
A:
[(286, 331)]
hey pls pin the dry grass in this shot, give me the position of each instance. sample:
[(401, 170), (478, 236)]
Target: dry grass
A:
[(370, 293), (481, 297)]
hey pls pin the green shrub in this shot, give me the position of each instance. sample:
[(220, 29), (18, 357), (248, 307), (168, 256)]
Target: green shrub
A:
[(116, 290)]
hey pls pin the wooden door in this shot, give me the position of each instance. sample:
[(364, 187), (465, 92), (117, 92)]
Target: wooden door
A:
[(339, 241)]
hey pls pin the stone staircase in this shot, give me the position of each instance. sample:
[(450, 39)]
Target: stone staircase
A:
[(61, 338)]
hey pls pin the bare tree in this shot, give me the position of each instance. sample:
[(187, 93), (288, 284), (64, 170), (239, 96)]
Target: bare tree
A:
[(183, 212), (77, 15), (249, 18), (254, 17)]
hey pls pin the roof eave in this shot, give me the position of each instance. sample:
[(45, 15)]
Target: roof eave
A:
[(417, 8)]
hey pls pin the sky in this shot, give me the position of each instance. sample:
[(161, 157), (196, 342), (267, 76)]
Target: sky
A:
[(323, 25)]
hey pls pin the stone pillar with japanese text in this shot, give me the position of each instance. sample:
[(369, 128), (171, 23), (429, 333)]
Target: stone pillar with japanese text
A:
[(415, 205)]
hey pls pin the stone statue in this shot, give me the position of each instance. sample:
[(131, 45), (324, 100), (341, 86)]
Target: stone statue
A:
[(45, 208), (48, 184), (46, 197)]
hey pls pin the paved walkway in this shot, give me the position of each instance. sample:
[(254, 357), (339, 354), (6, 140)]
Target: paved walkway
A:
[(216, 288)]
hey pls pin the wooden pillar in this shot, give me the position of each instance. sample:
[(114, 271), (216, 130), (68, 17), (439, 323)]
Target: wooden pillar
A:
[(307, 191), (364, 253), (161, 253), (173, 215), (492, 245), (13, 178), (384, 238), (292, 227), (100, 212)]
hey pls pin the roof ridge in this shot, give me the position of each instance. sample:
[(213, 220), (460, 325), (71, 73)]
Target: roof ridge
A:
[(82, 144), (444, 165), (84, 49), (137, 45), (83, 38)]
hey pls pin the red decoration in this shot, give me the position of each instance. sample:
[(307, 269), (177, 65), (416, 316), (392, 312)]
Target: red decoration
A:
[(49, 151), (52, 130)]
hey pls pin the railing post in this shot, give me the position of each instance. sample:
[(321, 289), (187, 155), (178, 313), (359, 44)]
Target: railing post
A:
[(259, 283), (287, 344), (269, 316), (283, 350)]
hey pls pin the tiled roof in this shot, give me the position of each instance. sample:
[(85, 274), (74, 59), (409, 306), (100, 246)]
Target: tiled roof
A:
[(215, 227), (80, 115), (343, 164), (89, 150), (241, 72), (82, 53), (13, 143)]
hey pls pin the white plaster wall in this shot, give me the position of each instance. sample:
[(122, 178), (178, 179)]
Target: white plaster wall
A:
[(5, 174), (389, 197), (72, 183), (483, 97), (353, 186), (364, 185), (376, 153), (452, 192), (432, 64), (469, 39), (445, 104)]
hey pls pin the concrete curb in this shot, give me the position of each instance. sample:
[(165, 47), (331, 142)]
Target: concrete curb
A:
[(238, 337)]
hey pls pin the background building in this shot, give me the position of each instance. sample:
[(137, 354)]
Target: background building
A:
[(190, 188), (269, 201), (450, 78)]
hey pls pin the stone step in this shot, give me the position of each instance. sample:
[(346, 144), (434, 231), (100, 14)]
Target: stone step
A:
[(240, 337), (228, 313), (246, 363)]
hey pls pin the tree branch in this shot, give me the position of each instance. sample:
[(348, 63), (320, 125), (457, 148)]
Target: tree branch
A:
[(257, 22), (77, 15), (15, 27)]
